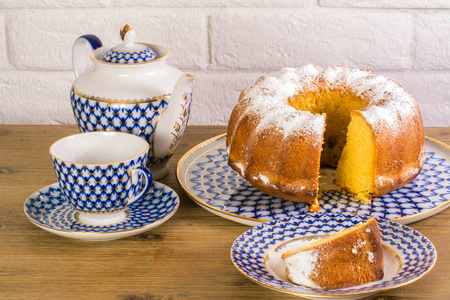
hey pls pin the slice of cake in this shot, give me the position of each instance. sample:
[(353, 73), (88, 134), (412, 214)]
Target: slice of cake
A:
[(346, 258)]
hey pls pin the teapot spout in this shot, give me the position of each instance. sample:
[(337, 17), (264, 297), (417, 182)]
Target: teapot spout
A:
[(174, 118)]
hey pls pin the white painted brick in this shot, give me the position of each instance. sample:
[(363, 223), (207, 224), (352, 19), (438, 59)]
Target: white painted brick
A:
[(3, 50), (53, 3), (274, 40), (44, 42), (431, 91), (35, 98), (433, 41), (387, 3), (218, 3), (215, 95), (153, 3)]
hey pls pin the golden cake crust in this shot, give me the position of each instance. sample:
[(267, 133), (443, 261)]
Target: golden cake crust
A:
[(256, 151), (406, 148)]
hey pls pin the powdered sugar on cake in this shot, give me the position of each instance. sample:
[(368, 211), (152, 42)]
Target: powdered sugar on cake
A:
[(357, 246), (268, 98), (240, 167), (265, 180), (388, 103), (301, 266)]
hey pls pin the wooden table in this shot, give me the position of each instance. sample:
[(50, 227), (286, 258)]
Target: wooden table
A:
[(187, 257)]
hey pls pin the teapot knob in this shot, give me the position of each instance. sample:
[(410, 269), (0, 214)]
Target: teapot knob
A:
[(124, 30), (128, 35), (129, 52)]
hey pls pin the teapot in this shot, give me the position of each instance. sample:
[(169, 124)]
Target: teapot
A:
[(129, 87)]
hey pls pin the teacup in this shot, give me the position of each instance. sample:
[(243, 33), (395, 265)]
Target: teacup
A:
[(100, 173)]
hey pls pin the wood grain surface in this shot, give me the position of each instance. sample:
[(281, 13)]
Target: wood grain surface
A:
[(188, 257)]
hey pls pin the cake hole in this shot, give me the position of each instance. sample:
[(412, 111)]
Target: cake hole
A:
[(354, 169)]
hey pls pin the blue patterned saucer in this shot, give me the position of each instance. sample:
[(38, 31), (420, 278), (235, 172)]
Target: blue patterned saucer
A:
[(408, 255), (205, 176), (47, 209)]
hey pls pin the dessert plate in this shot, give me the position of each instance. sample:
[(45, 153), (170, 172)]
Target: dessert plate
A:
[(47, 209), (408, 255), (205, 176)]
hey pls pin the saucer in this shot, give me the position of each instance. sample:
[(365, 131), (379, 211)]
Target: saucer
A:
[(47, 209), (204, 174), (408, 255)]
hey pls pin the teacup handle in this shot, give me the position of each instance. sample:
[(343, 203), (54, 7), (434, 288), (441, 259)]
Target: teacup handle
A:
[(79, 52), (148, 182)]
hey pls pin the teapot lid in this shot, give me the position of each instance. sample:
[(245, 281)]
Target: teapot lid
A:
[(129, 52)]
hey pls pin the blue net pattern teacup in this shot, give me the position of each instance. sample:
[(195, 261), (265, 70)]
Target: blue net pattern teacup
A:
[(100, 173)]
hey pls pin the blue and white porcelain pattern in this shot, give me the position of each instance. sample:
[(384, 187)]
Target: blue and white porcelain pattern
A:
[(253, 251), (112, 182), (146, 54), (138, 118), (205, 176), (47, 209)]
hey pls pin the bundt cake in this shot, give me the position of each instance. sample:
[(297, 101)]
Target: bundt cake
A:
[(349, 257), (284, 127)]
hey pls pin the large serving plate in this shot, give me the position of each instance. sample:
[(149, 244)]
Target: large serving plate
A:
[(205, 176), (408, 255)]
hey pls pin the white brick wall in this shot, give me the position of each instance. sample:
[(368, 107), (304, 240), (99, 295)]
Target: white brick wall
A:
[(229, 43), (272, 40)]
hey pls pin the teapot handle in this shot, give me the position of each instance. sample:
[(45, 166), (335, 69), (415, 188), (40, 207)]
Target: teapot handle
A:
[(79, 52)]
